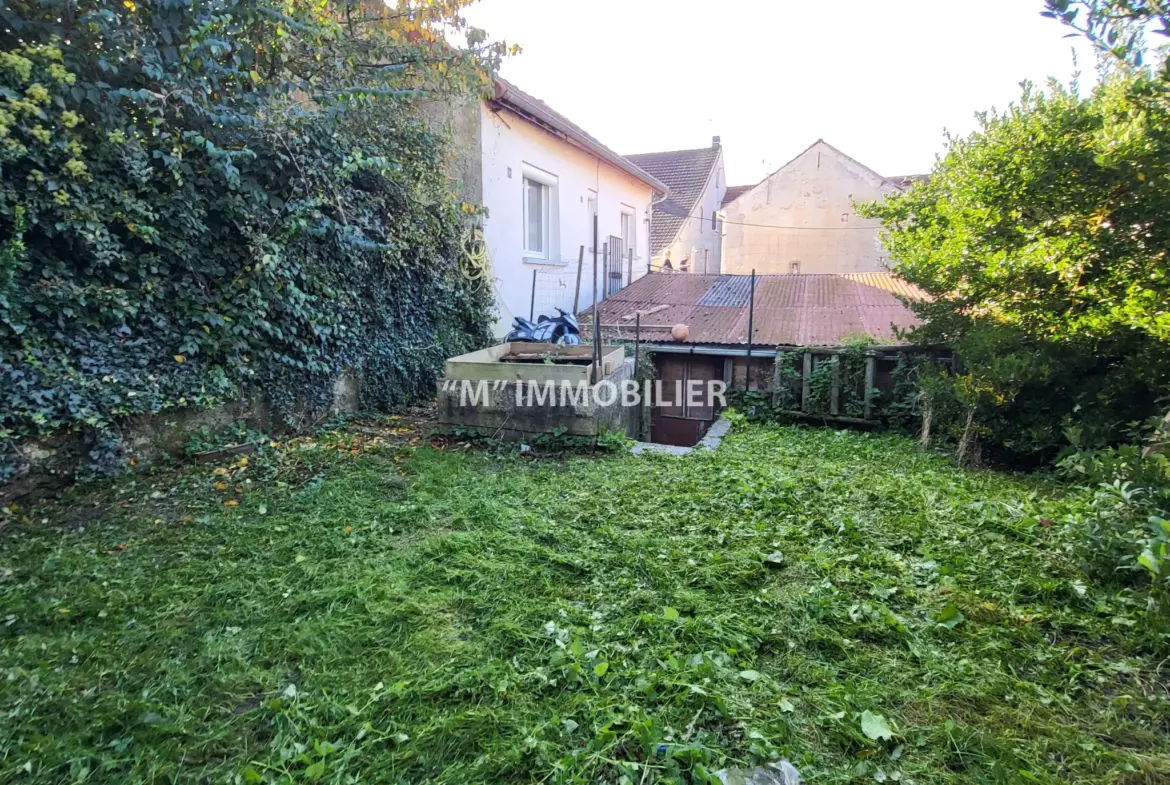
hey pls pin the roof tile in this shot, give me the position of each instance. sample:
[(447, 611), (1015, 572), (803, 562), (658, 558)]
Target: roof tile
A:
[(686, 173)]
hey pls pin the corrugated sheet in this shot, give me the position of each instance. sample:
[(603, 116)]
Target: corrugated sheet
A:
[(891, 283), (728, 290), (790, 310)]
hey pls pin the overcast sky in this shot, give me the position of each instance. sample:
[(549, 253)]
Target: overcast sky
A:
[(880, 80)]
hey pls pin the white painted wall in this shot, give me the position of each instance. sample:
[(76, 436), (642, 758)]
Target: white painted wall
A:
[(814, 192), (510, 145), (696, 240)]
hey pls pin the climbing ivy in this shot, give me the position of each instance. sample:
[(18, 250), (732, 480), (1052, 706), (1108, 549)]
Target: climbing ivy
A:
[(199, 198)]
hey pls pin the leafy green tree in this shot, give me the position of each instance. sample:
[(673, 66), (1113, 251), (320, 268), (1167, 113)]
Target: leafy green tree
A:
[(196, 196), (1042, 242), (1120, 28)]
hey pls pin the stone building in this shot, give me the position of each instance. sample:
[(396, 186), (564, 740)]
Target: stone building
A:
[(684, 228), (801, 219)]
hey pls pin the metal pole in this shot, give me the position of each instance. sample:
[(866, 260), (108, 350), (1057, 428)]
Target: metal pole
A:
[(637, 342), (532, 302), (751, 326), (596, 312), (605, 271), (630, 267), (577, 291)]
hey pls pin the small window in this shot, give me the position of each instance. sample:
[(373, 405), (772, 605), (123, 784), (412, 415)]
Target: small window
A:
[(629, 234), (535, 218), (844, 218), (796, 268)]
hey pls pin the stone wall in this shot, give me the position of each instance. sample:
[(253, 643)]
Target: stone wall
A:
[(814, 194), (501, 417), (52, 462)]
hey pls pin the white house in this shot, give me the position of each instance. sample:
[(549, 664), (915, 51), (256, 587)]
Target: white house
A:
[(543, 179), (685, 229), (801, 219)]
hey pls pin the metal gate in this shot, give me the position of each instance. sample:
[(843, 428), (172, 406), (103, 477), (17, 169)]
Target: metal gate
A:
[(613, 265)]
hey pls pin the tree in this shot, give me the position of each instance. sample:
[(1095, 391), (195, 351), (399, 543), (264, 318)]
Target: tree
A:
[(1117, 27), (1042, 242)]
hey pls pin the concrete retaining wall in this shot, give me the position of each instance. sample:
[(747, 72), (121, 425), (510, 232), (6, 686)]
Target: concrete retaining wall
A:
[(502, 417)]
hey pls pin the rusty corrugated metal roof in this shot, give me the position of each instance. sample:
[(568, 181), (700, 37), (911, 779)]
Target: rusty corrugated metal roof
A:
[(790, 310), (889, 282)]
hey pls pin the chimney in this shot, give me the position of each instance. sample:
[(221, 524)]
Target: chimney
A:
[(714, 141)]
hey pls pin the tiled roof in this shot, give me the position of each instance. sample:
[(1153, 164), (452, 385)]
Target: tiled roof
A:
[(734, 192), (512, 97), (686, 173), (790, 310), (906, 180)]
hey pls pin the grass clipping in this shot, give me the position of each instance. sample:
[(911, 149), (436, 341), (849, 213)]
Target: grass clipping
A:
[(363, 607)]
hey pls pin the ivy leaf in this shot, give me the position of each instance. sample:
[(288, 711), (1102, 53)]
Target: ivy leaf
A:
[(670, 613), (600, 669)]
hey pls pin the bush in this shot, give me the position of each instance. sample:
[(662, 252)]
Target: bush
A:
[(1041, 242)]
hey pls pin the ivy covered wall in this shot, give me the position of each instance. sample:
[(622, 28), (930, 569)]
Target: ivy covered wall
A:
[(201, 198)]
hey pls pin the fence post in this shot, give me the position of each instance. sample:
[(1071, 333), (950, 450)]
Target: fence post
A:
[(870, 378), (835, 391), (806, 388), (777, 377), (751, 319), (630, 277), (596, 312), (577, 291), (532, 302), (637, 342)]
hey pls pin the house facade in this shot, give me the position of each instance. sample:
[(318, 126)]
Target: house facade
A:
[(542, 178), (684, 228), (801, 219)]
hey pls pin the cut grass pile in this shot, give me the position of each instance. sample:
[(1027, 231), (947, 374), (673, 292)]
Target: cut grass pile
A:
[(370, 612)]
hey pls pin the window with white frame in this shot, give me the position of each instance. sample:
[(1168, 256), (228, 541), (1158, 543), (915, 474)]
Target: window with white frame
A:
[(536, 218), (629, 233)]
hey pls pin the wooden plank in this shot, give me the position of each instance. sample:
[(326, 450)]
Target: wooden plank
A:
[(486, 364), (577, 291), (827, 418), (870, 376), (806, 389), (646, 311), (776, 378), (835, 390)]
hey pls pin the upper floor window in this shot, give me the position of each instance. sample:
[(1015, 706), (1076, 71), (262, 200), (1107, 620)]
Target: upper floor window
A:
[(536, 218), (796, 268), (629, 233)]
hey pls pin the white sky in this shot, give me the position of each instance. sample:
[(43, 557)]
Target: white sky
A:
[(878, 79)]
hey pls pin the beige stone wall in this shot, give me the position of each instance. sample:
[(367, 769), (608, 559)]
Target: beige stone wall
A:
[(813, 192)]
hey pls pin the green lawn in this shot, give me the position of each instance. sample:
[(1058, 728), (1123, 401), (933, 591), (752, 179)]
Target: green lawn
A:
[(396, 613)]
